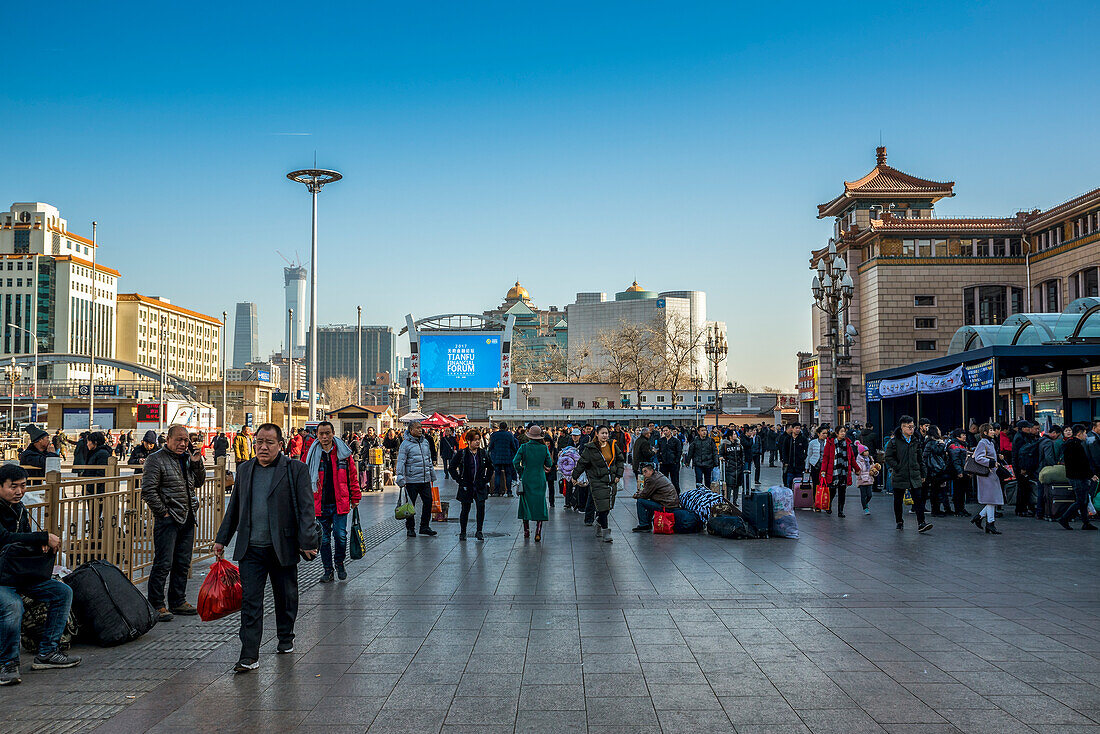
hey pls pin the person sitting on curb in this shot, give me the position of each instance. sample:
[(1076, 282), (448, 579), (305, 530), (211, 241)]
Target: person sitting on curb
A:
[(15, 527), (657, 493)]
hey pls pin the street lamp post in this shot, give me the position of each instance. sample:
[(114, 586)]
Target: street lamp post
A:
[(314, 179), (290, 373), (498, 397), (716, 350), (697, 381), (13, 375), (35, 337), (225, 404), (832, 289), (92, 330), (525, 388), (359, 358)]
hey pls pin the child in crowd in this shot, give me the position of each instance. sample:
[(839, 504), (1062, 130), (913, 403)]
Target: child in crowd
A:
[(865, 476)]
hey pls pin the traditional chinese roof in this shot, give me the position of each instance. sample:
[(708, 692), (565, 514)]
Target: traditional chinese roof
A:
[(953, 225), (1076, 205), (885, 182)]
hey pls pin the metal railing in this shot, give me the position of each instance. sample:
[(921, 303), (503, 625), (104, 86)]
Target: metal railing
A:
[(105, 517)]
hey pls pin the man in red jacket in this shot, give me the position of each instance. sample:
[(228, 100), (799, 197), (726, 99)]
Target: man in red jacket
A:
[(335, 483)]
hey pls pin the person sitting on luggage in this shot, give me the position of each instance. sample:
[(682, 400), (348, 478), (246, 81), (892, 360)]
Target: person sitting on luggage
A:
[(15, 527), (657, 493)]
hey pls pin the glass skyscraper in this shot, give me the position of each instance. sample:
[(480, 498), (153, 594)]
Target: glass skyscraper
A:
[(246, 336)]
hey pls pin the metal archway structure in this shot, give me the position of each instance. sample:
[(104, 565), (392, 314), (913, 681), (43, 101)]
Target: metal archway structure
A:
[(171, 381), (457, 322)]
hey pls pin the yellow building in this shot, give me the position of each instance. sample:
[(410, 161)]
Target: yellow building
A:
[(153, 331)]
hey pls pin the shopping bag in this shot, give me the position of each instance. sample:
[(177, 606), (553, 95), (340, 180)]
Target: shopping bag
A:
[(405, 508), (220, 593), (436, 507), (907, 499), (663, 522), (357, 544), (821, 497)]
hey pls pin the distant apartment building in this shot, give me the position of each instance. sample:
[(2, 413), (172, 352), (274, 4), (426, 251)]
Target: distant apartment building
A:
[(156, 333), (49, 288), (246, 336)]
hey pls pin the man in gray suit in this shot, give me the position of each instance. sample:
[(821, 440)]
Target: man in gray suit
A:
[(271, 512)]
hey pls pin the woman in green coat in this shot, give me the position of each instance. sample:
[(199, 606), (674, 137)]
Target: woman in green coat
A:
[(532, 460)]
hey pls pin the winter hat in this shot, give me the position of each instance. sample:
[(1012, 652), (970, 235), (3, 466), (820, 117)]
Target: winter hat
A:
[(575, 432), (534, 432), (149, 437), (860, 448), (35, 432)]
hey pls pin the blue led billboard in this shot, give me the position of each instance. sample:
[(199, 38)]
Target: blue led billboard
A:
[(460, 361)]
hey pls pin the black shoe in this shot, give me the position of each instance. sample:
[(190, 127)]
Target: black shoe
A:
[(55, 660), (410, 533), (901, 526), (961, 513), (1089, 526), (462, 536), (977, 520), (326, 577), (642, 529), (428, 531), (925, 527), (285, 648), (839, 513), (245, 665), (828, 512), (991, 528), (9, 674), (341, 573), (479, 535), (1064, 523)]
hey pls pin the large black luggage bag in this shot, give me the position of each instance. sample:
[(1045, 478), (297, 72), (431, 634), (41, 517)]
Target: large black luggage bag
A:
[(757, 511), (110, 609), (1056, 499)]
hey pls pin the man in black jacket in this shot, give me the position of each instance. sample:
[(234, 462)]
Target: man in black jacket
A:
[(669, 451), (903, 456), (144, 449), (271, 512), (797, 445), (15, 527), (1025, 464), (37, 451), (1080, 473), (771, 443), (170, 477)]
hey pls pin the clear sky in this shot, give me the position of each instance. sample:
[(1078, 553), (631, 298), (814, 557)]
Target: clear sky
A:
[(573, 145)]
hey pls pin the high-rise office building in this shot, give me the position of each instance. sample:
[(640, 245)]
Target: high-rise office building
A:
[(294, 278), (337, 352), (154, 332), (246, 336)]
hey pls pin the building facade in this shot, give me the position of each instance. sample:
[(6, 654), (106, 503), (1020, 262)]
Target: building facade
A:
[(294, 281), (246, 335), (918, 278), (154, 332), (539, 336), (593, 313), (337, 352), (50, 288)]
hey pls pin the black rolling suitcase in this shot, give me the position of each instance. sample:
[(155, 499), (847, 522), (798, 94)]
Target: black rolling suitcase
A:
[(757, 511), (1056, 499), (110, 609)]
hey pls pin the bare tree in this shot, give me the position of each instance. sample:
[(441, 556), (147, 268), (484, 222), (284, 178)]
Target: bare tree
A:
[(675, 347), (340, 391), (642, 363), (616, 359)]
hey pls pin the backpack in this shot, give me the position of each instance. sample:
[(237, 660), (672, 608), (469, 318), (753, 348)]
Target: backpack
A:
[(937, 460), (1028, 459)]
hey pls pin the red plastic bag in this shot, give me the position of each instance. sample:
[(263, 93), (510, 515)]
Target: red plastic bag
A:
[(822, 498), (220, 593), (663, 522)]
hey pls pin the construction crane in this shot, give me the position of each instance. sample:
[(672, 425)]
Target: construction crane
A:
[(296, 264)]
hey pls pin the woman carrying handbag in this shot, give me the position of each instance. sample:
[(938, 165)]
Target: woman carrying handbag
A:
[(989, 485)]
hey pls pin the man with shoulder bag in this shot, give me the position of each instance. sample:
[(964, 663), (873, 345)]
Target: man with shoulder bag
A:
[(26, 567), (271, 511)]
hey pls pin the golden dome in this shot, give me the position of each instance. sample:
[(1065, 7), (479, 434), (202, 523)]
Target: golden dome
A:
[(632, 289), (517, 292)]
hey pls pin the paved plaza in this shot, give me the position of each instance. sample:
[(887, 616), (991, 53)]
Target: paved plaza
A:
[(853, 628)]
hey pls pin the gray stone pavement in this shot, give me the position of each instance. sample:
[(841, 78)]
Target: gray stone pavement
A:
[(853, 628)]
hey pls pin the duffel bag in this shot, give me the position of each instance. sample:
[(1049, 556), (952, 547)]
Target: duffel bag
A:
[(109, 608), (34, 623), (730, 526), (685, 521)]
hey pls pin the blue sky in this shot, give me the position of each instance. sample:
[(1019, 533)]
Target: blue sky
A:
[(575, 146)]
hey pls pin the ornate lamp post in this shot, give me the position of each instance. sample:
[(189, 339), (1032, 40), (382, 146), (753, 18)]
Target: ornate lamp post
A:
[(13, 375), (32, 335), (498, 397), (697, 381), (832, 288), (525, 388), (716, 350)]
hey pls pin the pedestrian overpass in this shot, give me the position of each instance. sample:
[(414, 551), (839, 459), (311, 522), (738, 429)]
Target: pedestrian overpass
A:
[(171, 382)]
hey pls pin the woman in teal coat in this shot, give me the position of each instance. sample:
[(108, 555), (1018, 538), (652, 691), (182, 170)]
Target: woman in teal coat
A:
[(532, 460)]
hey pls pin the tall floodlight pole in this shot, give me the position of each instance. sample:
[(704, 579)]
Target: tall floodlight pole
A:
[(290, 374), (359, 359), (225, 414), (314, 179), (91, 371)]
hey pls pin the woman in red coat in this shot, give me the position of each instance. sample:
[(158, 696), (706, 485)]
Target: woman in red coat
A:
[(837, 462)]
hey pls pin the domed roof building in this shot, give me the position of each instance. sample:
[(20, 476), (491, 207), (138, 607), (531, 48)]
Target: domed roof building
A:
[(537, 333)]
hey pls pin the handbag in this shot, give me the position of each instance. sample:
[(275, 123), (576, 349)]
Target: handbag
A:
[(821, 497), (436, 506), (517, 487), (357, 544), (23, 565), (1004, 472), (663, 522), (907, 498), (405, 508), (973, 467)]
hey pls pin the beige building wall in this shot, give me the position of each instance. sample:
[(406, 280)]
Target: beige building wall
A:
[(155, 332)]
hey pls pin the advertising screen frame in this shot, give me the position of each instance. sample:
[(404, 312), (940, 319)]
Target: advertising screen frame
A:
[(458, 336)]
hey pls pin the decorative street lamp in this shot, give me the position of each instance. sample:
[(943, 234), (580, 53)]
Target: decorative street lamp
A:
[(697, 381), (525, 388), (716, 350), (33, 336), (498, 397), (359, 356), (225, 415), (832, 288), (314, 179), (13, 375)]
